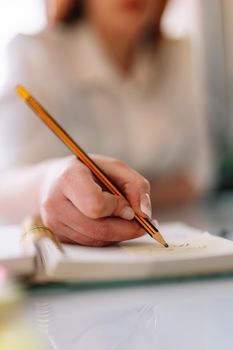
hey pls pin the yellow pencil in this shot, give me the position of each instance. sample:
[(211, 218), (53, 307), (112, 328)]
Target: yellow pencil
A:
[(83, 156)]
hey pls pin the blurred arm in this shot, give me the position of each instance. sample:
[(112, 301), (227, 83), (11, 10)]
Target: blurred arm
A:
[(178, 189)]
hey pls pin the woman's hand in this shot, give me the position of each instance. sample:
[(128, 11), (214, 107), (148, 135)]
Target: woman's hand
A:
[(77, 209)]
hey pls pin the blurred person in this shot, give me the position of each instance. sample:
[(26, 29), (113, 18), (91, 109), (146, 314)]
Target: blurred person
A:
[(121, 89)]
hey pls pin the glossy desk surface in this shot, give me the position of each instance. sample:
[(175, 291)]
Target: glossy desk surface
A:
[(182, 314)]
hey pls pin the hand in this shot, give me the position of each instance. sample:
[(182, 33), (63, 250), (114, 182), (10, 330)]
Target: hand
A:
[(77, 209)]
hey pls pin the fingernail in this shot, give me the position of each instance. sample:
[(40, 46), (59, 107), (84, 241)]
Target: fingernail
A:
[(145, 204), (127, 213), (156, 223)]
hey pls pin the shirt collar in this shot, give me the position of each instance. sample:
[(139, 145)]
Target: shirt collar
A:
[(93, 67)]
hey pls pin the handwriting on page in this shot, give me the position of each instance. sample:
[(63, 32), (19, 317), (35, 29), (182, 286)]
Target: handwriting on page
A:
[(155, 249)]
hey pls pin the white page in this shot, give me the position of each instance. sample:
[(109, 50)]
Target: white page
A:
[(184, 242), (190, 252)]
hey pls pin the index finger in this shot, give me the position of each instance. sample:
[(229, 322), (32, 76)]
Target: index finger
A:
[(133, 185)]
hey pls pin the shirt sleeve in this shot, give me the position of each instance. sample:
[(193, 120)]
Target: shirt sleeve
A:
[(22, 135), (200, 155), (200, 165)]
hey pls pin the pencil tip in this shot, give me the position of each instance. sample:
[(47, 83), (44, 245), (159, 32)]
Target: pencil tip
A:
[(166, 245)]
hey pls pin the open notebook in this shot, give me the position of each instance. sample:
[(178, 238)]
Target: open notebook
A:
[(191, 252)]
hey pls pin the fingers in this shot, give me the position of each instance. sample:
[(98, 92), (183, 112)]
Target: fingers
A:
[(81, 189), (99, 232), (67, 235), (65, 220), (134, 186), (102, 229)]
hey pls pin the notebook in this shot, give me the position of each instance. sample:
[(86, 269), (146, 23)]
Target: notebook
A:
[(17, 258), (190, 252)]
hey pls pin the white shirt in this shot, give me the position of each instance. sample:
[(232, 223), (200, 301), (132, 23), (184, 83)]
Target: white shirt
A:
[(148, 119)]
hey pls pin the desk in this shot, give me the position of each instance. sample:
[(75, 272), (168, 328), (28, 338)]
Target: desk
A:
[(184, 315)]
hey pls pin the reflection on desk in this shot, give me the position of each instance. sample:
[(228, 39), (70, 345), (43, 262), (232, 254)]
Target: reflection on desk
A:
[(183, 315)]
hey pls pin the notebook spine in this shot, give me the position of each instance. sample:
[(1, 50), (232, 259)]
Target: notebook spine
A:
[(34, 230)]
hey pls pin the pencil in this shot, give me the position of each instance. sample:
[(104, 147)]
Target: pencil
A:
[(149, 227)]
